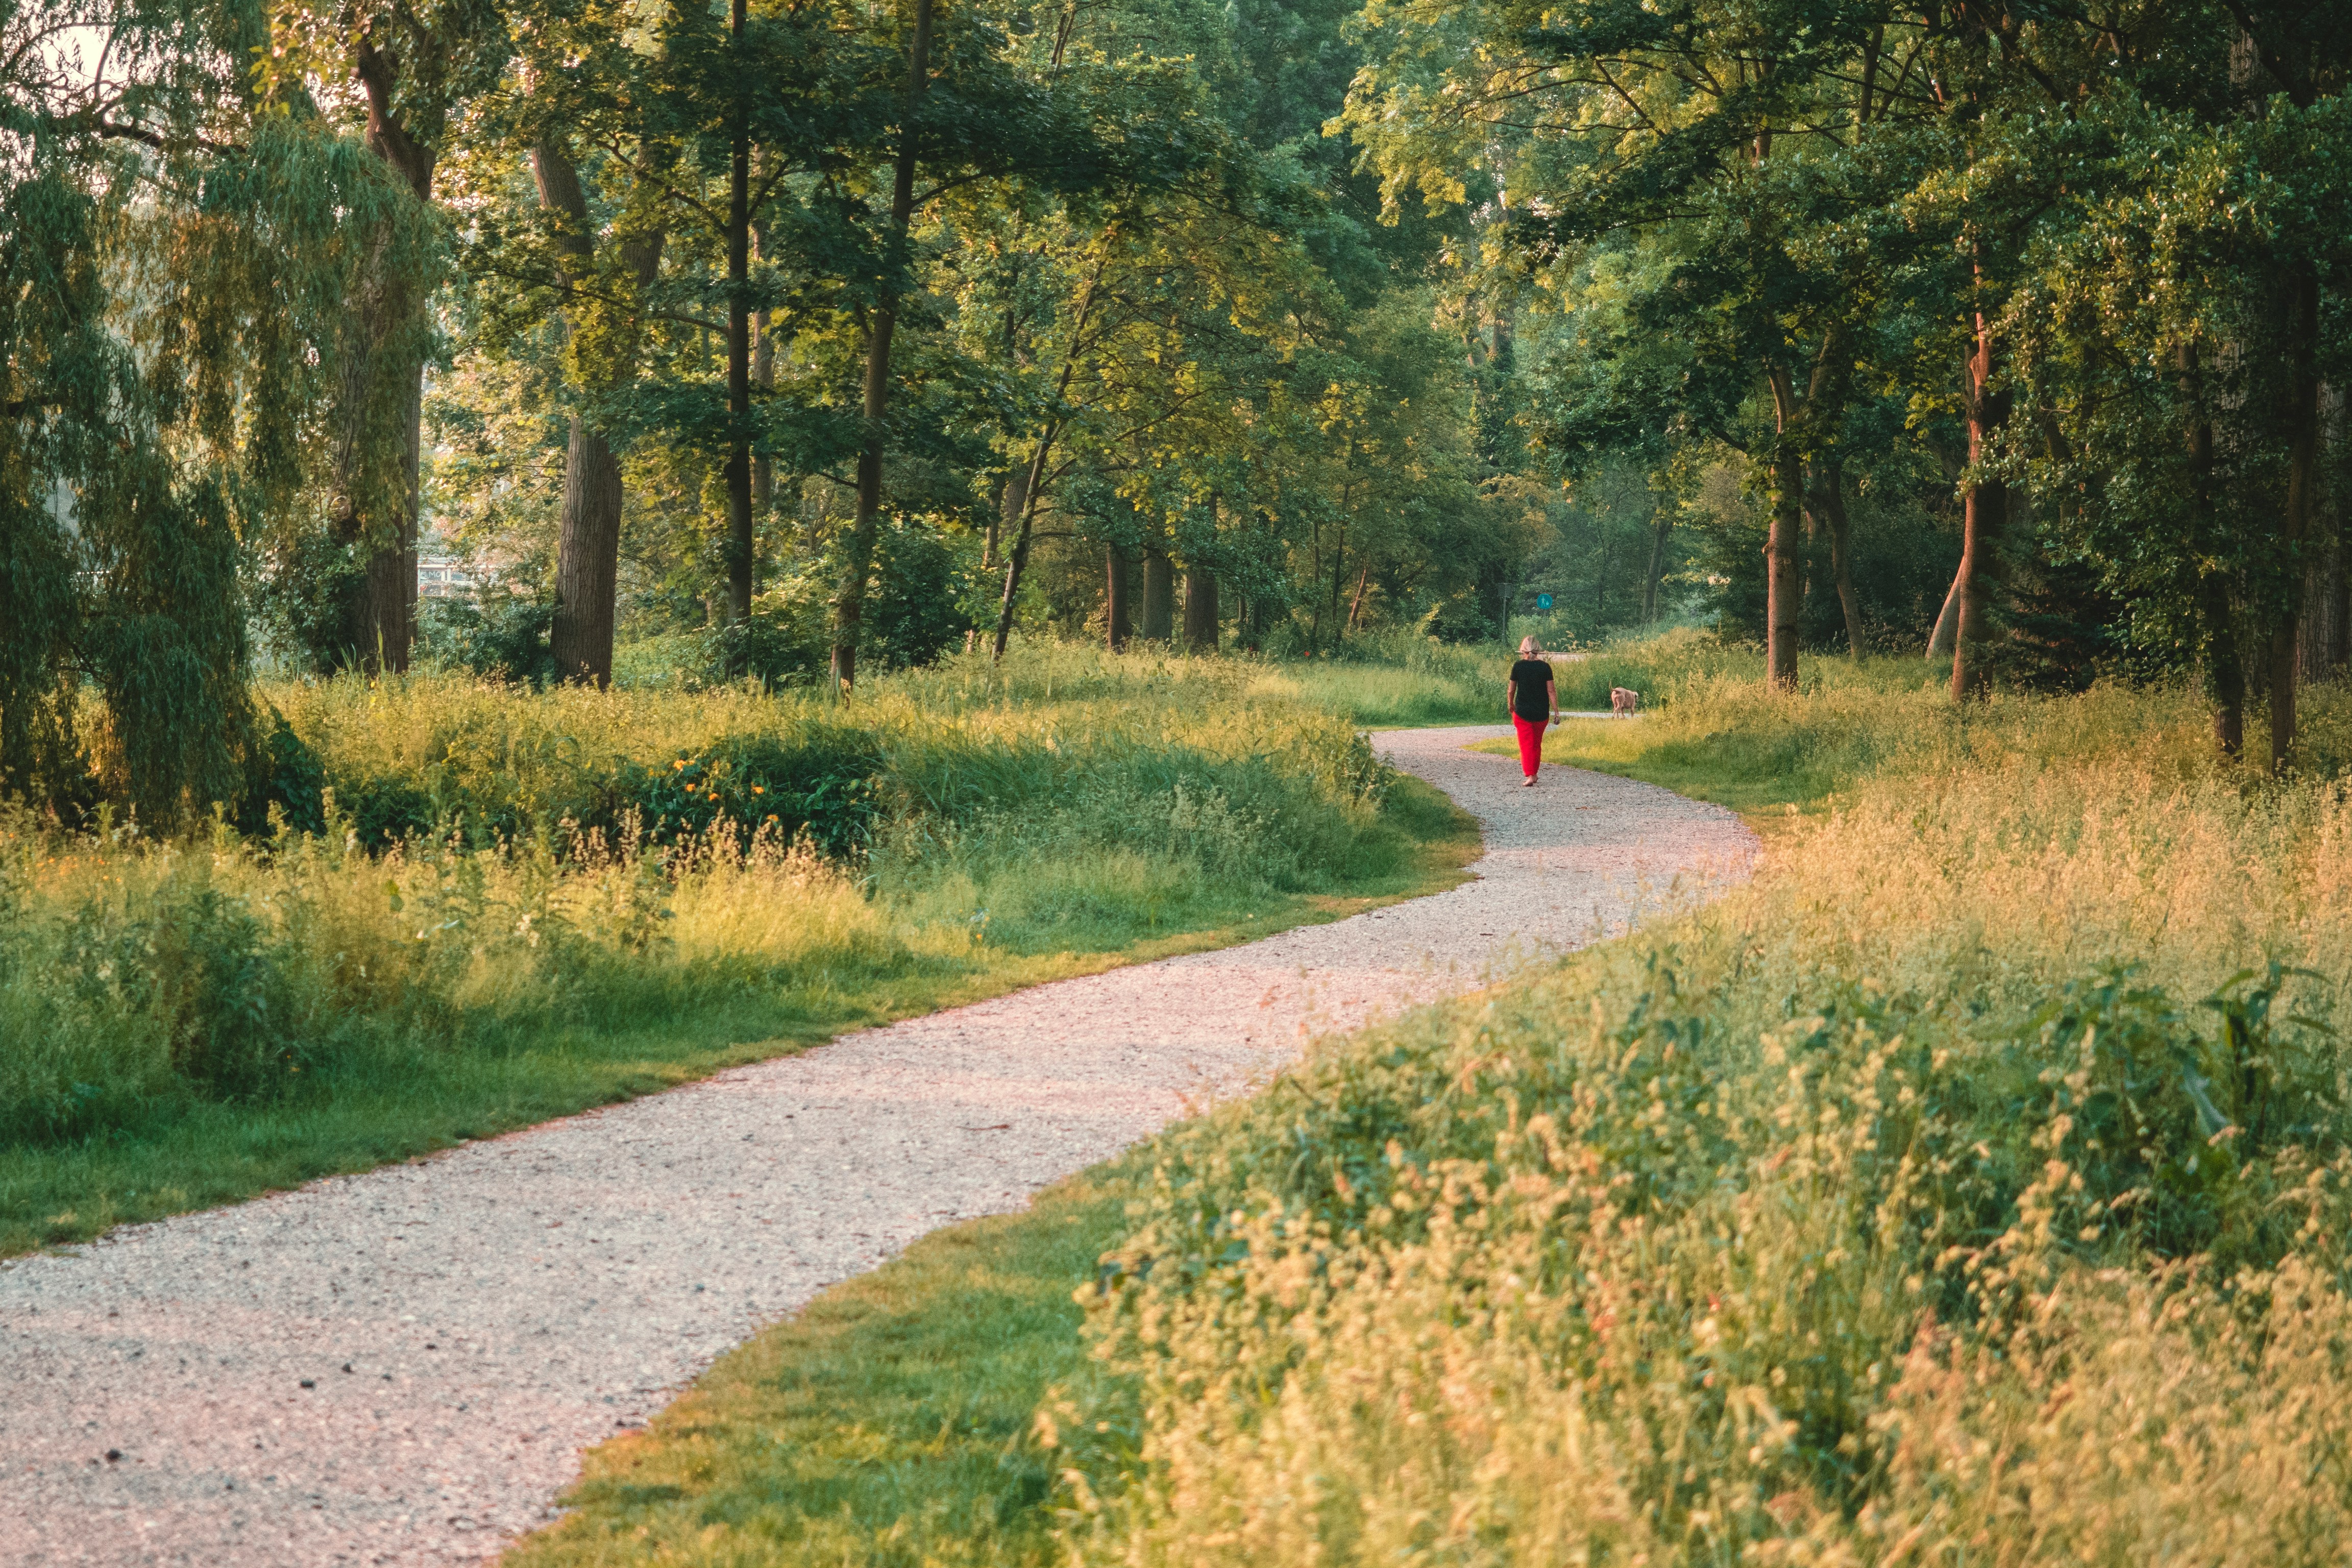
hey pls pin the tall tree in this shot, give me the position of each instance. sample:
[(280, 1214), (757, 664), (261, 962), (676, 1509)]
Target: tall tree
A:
[(849, 609), (415, 68)]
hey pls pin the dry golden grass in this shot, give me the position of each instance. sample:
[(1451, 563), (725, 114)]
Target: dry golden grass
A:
[(1972, 1189)]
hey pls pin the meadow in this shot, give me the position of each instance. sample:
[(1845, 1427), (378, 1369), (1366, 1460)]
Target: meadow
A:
[(456, 907), (1970, 1188)]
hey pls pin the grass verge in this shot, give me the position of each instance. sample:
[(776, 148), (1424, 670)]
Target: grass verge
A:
[(888, 1424), (1971, 1186)]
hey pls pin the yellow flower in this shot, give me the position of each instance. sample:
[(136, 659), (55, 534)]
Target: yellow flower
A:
[(759, 789), (689, 789), (681, 762)]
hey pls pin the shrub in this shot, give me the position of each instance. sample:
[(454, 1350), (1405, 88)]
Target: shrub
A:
[(286, 773), (824, 782)]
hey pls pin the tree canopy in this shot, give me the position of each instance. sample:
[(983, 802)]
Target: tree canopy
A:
[(802, 332)]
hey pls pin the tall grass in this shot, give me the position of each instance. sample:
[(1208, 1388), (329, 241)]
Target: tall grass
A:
[(1023, 821), (1972, 1188)]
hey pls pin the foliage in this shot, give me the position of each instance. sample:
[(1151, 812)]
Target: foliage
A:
[(140, 455), (502, 636)]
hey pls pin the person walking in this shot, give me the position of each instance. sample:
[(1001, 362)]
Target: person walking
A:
[(1533, 700)]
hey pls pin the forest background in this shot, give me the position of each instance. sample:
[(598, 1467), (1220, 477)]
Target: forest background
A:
[(1973, 1183), (768, 340)]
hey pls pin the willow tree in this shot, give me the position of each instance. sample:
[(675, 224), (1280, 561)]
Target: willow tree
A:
[(149, 430)]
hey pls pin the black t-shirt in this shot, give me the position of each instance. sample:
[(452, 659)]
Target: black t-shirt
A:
[(1532, 680)]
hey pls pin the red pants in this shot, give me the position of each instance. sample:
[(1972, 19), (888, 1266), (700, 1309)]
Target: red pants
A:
[(1531, 732)]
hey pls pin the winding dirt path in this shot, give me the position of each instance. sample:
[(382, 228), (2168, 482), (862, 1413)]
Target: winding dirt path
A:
[(401, 1367)]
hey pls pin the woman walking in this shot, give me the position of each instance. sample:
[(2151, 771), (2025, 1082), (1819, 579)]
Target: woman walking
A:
[(1534, 702)]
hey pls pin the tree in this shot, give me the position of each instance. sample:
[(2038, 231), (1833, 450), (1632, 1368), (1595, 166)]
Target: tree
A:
[(177, 250), (414, 69)]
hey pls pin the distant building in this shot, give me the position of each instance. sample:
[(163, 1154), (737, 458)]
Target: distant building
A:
[(443, 576)]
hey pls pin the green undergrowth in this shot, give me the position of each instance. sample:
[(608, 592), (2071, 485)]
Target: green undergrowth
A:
[(1969, 1188), (189, 1023)]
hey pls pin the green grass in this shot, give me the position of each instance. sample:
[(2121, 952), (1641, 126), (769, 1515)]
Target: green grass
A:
[(381, 1107), (189, 1023), (890, 1423), (1400, 681), (1969, 1187), (1711, 734)]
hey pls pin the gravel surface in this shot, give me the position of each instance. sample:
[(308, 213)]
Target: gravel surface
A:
[(401, 1367)]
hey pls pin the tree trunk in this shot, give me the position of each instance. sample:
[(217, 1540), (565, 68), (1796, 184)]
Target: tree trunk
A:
[(2225, 671), (587, 558), (1984, 510), (1199, 610), (739, 540), (1782, 591), (383, 622), (588, 534), (1013, 503), (1829, 476), (764, 378), (1019, 561), (1114, 613), (1661, 528), (1947, 621), (2325, 638), (1355, 606), (2225, 667), (2321, 643), (1032, 484), (1339, 586), (2302, 506), (1159, 597), (386, 625), (849, 609)]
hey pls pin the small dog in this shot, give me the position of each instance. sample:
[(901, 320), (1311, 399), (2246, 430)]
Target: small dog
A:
[(1622, 703)]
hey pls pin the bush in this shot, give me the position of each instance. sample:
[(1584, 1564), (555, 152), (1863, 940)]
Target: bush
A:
[(503, 636), (917, 609), (824, 782), (285, 774)]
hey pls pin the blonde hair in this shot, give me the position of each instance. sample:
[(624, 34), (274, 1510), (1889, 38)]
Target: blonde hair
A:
[(1527, 646)]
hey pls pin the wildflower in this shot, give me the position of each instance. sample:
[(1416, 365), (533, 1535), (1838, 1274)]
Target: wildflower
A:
[(759, 789), (681, 762)]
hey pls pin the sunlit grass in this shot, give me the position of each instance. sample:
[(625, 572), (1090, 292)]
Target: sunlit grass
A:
[(190, 1023), (1971, 1187), (889, 1425)]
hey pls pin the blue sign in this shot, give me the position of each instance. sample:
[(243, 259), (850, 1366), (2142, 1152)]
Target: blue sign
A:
[(1543, 600)]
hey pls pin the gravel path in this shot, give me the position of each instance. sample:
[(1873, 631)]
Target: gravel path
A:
[(401, 1367)]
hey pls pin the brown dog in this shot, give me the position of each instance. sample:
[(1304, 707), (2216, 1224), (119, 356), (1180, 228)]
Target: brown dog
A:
[(1622, 703)]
